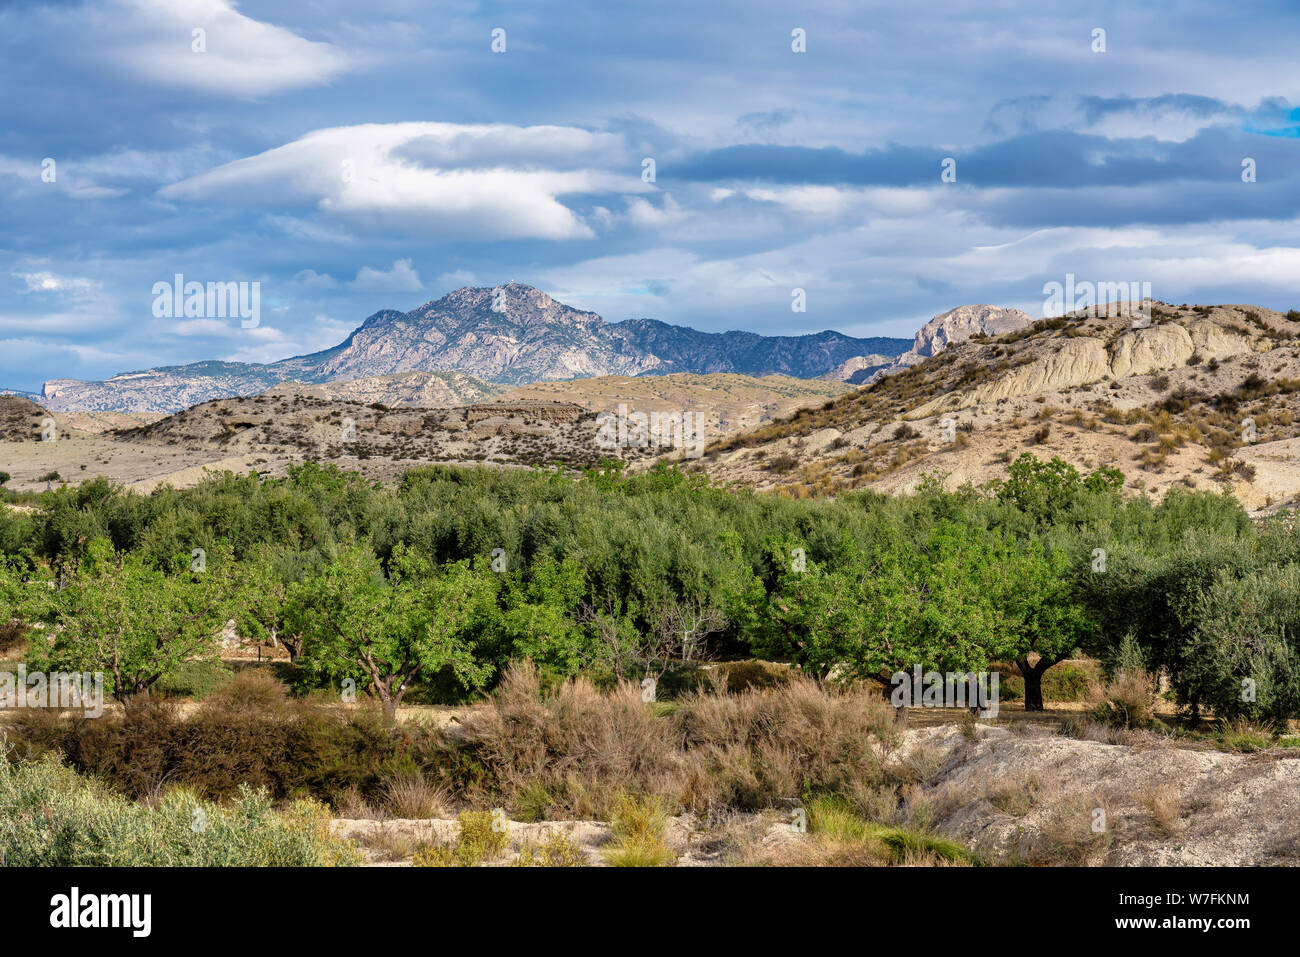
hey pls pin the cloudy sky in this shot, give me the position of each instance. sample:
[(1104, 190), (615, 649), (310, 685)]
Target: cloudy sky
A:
[(357, 156)]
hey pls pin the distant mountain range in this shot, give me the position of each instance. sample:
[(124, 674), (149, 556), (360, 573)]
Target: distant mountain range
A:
[(511, 335)]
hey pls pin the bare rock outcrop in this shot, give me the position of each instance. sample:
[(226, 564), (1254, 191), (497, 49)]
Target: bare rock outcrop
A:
[(1077, 361), (955, 325), (1143, 351)]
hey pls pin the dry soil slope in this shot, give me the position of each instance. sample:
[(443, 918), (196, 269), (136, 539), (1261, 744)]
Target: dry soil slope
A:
[(1205, 396), (725, 402)]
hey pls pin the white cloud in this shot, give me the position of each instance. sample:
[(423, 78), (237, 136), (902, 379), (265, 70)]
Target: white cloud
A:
[(467, 181), (401, 278), (315, 280), (153, 40), (642, 213), (52, 282)]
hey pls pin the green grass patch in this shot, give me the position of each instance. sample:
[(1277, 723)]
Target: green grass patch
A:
[(833, 819)]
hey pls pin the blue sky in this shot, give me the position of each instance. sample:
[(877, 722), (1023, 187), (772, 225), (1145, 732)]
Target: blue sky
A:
[(351, 157)]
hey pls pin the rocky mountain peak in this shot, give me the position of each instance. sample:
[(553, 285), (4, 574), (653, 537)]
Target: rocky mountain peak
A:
[(958, 325), (510, 334), (948, 328)]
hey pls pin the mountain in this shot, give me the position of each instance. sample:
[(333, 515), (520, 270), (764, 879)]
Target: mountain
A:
[(512, 334), (1198, 397), (945, 329), (399, 420), (725, 402)]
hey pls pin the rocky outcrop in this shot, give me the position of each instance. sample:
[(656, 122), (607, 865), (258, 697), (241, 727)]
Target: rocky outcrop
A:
[(1077, 361), (958, 325), (430, 390), (857, 369), (1144, 351), (1083, 360), (1213, 341), (955, 325)]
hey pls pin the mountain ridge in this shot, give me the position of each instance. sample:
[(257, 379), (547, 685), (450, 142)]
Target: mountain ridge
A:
[(509, 335)]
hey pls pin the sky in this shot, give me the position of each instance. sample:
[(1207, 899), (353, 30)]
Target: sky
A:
[(350, 157)]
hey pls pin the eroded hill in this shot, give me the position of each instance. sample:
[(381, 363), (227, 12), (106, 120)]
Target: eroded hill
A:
[(382, 425), (1202, 396)]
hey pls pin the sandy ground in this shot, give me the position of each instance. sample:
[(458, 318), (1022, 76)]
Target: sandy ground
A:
[(80, 458)]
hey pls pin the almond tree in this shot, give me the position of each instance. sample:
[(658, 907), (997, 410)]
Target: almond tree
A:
[(1040, 614), (388, 631), (136, 623), (263, 604), (873, 614)]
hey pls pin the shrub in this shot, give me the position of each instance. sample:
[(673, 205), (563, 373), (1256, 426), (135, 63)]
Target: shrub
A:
[(557, 850), (833, 821), (477, 842), (639, 826), (52, 817), (411, 796), (479, 839), (1240, 734), (573, 751), (249, 731), (1065, 836), (1128, 697), (1163, 808)]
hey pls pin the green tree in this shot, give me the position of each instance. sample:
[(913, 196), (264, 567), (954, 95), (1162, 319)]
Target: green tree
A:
[(538, 618), (1039, 613), (871, 615), (388, 631), (136, 623), (1242, 654), (263, 603)]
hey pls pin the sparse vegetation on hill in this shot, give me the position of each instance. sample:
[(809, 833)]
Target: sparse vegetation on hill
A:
[(1201, 396)]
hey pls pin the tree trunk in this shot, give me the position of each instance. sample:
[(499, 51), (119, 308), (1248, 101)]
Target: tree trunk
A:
[(1033, 690), (1034, 681), (390, 706)]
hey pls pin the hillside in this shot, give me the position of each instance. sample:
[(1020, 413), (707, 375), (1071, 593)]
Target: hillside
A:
[(726, 402), (1206, 397), (430, 390), (400, 420), (512, 334)]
